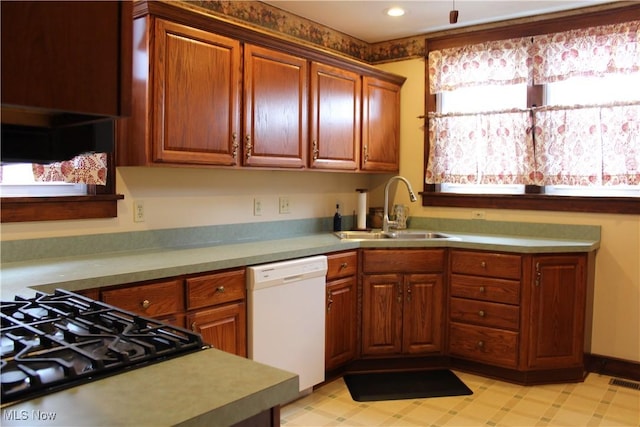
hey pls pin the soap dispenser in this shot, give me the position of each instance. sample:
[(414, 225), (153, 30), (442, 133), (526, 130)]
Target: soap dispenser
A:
[(337, 219)]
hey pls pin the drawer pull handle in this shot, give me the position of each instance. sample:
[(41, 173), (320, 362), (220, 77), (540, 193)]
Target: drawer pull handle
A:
[(480, 344), (481, 313), (483, 264), (220, 289), (145, 304), (482, 290), (343, 265)]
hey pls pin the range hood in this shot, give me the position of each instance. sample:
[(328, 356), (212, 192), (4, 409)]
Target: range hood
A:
[(33, 144)]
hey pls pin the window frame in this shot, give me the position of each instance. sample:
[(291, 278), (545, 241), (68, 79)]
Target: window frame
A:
[(100, 202), (533, 199)]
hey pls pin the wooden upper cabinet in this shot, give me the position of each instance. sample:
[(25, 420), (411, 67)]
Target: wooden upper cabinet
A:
[(196, 92), (67, 57), (275, 108), (335, 117), (186, 97), (380, 125)]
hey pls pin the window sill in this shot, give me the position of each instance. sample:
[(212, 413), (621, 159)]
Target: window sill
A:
[(615, 205), (22, 209)]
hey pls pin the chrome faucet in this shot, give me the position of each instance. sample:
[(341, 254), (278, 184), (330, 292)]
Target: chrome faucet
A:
[(386, 223)]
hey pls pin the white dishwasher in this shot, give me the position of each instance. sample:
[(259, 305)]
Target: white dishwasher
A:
[(286, 316)]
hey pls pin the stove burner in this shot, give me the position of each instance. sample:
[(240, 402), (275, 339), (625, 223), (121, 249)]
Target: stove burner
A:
[(12, 378), (51, 342)]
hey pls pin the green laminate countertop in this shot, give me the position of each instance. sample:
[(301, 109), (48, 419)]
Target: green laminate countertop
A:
[(207, 388), (115, 268)]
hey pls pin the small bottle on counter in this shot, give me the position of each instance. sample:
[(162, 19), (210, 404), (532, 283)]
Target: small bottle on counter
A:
[(337, 219)]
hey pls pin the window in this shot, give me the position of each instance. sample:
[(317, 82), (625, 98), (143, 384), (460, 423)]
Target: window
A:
[(18, 181), (523, 127), (41, 193)]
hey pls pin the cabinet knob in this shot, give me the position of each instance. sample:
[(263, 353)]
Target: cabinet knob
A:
[(481, 313), (220, 289), (480, 344), (482, 289), (343, 265), (194, 327), (145, 304), (483, 264)]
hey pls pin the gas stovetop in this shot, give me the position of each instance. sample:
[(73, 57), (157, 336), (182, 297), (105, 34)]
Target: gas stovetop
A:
[(52, 342)]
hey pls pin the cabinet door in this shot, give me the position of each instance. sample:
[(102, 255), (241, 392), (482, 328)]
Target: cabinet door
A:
[(558, 295), (276, 109), (67, 56), (380, 125), (382, 314), (223, 327), (335, 117), (196, 96), (340, 345), (422, 314)]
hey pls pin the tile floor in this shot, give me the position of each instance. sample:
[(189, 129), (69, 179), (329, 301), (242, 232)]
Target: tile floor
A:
[(594, 402)]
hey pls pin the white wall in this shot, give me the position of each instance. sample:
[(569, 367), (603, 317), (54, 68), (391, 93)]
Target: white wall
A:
[(188, 197)]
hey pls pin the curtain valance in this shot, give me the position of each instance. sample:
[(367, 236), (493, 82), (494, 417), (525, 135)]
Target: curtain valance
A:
[(542, 59)]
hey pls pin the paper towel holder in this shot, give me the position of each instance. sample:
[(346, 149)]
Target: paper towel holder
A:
[(361, 217)]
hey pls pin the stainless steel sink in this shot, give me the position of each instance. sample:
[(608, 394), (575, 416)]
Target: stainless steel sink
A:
[(360, 235), (393, 234), (416, 235)]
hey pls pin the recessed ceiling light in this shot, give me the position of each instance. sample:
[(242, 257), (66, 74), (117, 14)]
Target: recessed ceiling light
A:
[(395, 11)]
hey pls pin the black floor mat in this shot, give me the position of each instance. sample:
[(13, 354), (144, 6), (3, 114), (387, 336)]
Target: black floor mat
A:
[(404, 385)]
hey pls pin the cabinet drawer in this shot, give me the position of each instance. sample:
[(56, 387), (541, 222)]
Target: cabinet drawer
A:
[(403, 261), (486, 289), (217, 288), (342, 265), (478, 343), (155, 299), (505, 266), (485, 313)]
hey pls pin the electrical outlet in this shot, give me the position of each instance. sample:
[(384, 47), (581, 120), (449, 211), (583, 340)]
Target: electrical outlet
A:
[(138, 211), (285, 207), (257, 207), (477, 214)]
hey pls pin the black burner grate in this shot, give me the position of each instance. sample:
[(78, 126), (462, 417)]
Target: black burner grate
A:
[(52, 342)]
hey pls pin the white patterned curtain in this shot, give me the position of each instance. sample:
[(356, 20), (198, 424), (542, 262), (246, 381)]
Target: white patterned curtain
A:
[(595, 51), (501, 62), (82, 169), (483, 148), (586, 146), (574, 145), (487, 148)]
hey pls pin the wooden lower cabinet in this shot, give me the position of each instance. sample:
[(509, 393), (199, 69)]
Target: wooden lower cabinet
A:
[(212, 304), (402, 308), (556, 314), (524, 313), (341, 309), (216, 305), (222, 327)]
